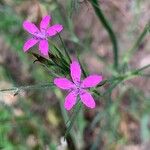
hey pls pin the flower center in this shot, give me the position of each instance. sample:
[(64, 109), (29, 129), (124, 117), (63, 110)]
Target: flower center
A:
[(41, 35), (78, 87)]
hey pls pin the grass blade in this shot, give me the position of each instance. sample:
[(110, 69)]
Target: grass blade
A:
[(130, 52), (73, 118), (63, 44), (109, 29)]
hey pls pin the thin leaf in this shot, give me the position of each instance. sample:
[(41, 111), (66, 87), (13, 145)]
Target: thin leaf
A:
[(131, 51), (73, 118), (65, 49), (28, 87), (42, 60), (108, 28)]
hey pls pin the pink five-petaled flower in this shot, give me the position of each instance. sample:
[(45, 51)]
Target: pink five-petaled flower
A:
[(41, 35), (78, 86)]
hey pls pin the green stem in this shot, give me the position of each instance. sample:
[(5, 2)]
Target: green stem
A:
[(83, 70), (2, 121), (35, 87), (143, 68), (50, 84), (63, 44), (109, 29), (29, 87), (130, 52), (66, 119), (73, 118)]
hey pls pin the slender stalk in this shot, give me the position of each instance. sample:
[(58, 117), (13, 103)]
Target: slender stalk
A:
[(66, 119), (83, 70), (109, 29), (2, 121), (143, 68), (73, 118), (29, 87), (130, 52), (126, 76), (63, 44)]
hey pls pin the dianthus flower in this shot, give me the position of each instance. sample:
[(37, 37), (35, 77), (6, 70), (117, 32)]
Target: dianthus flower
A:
[(77, 87), (40, 35)]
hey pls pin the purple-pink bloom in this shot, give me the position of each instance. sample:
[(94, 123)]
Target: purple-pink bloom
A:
[(77, 87), (40, 35)]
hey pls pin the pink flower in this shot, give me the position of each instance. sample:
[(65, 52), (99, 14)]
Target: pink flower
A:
[(41, 35), (78, 87)]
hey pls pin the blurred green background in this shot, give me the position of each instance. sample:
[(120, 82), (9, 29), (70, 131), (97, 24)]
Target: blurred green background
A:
[(36, 119)]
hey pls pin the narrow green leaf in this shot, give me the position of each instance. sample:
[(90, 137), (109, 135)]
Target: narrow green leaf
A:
[(83, 70), (65, 49), (71, 121), (74, 6), (42, 60), (28, 87), (128, 54), (109, 29)]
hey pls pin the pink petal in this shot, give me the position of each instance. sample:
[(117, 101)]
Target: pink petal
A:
[(44, 23), (30, 27), (87, 99), (75, 71), (53, 30), (43, 46), (29, 43), (63, 83), (70, 100), (91, 81)]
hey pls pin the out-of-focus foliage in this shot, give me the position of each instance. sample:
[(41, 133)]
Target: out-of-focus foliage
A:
[(36, 119)]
